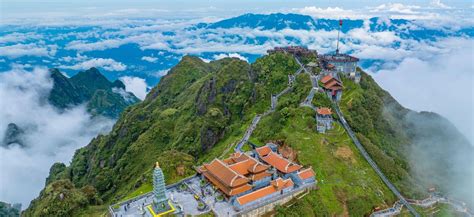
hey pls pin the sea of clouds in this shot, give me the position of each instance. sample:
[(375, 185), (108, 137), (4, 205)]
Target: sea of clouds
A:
[(432, 74), (50, 135)]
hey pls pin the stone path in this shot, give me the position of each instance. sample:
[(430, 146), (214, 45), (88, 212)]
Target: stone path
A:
[(273, 105)]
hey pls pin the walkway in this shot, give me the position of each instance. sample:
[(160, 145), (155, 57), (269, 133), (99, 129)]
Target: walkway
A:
[(372, 162), (308, 102), (273, 105), (425, 203)]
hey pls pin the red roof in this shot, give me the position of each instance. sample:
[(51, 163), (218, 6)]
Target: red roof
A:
[(306, 173), (275, 186), (263, 151), (324, 111), (224, 178), (281, 164), (326, 78)]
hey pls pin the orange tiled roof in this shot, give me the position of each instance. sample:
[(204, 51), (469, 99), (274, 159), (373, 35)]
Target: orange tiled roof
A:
[(275, 186), (224, 178), (324, 111), (333, 85), (244, 164), (224, 174), (306, 173), (263, 151), (326, 78), (280, 163), (259, 176)]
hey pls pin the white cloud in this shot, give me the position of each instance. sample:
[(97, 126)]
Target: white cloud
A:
[(442, 84), (150, 59), (61, 133), (329, 12), (19, 50), (232, 55), (99, 45), (439, 4), (203, 59), (164, 72), (135, 85), (17, 37), (107, 64), (396, 8)]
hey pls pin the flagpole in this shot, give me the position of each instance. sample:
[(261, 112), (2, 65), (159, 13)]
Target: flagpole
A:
[(338, 32)]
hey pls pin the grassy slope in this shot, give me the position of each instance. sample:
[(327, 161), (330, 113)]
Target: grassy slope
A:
[(347, 185)]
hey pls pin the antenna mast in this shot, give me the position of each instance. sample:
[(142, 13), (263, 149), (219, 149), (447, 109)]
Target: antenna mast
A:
[(338, 32)]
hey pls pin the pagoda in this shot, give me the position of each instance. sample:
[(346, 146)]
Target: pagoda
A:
[(160, 201)]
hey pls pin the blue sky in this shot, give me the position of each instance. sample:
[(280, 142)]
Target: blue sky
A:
[(189, 8)]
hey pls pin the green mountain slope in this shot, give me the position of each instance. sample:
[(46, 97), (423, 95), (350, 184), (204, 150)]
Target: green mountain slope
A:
[(199, 111), (91, 87)]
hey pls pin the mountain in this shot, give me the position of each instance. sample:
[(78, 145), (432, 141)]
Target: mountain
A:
[(91, 87), (8, 210), (406, 29), (200, 110), (13, 135)]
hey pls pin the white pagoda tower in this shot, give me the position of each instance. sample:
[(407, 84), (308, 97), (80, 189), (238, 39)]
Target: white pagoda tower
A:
[(159, 190)]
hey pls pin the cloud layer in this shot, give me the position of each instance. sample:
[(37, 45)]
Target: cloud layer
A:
[(50, 136), (135, 85), (443, 84)]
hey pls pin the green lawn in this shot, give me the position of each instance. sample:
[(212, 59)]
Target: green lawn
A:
[(346, 182)]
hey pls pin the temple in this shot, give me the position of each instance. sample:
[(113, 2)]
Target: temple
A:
[(283, 165), (250, 178), (323, 119), (278, 186), (332, 86), (234, 175)]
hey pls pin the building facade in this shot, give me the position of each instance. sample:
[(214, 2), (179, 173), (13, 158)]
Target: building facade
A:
[(341, 63), (323, 119)]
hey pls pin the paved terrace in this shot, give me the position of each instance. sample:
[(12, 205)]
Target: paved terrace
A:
[(183, 201)]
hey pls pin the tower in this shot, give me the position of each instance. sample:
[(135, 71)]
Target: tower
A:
[(159, 190)]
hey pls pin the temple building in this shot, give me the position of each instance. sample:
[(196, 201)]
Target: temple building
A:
[(323, 119), (332, 86), (277, 187), (305, 176), (237, 174), (283, 165), (249, 167)]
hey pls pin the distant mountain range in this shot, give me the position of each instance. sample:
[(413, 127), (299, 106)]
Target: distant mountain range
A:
[(278, 21)]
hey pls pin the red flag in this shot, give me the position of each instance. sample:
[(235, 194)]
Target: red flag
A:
[(340, 22)]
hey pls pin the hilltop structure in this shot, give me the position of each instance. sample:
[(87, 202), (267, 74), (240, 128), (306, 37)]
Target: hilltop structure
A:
[(340, 63), (323, 119), (295, 50), (332, 86)]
